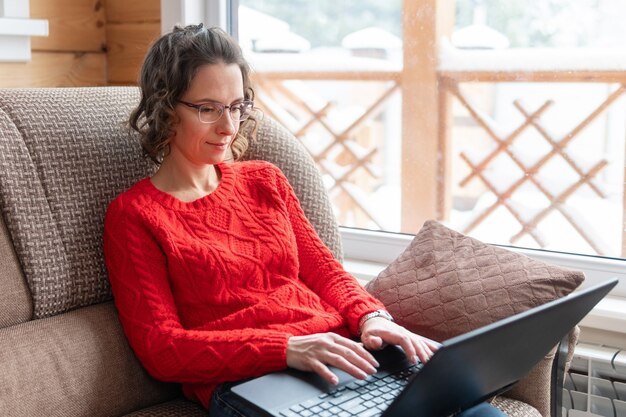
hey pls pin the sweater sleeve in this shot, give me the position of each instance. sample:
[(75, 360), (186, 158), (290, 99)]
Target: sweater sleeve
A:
[(320, 270), (139, 281)]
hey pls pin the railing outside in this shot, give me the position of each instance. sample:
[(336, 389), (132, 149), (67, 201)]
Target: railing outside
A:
[(350, 157), (552, 199), (347, 151), (403, 145)]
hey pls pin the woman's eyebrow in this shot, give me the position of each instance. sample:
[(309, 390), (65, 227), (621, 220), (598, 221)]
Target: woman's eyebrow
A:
[(208, 100)]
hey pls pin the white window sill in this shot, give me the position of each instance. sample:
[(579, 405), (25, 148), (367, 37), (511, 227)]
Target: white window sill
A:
[(23, 27), (367, 253), (15, 31)]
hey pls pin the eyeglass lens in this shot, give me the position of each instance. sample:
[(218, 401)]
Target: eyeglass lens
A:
[(211, 112)]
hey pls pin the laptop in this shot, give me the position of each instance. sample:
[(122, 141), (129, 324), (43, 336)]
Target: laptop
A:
[(465, 371)]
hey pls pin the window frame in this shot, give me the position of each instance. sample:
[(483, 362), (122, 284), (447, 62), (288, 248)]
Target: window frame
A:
[(16, 29), (210, 12)]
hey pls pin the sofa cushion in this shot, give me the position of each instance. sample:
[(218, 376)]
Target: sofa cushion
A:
[(74, 364), (445, 284), (15, 303), (73, 154)]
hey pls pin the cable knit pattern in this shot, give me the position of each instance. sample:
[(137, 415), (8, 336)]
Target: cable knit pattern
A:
[(211, 290)]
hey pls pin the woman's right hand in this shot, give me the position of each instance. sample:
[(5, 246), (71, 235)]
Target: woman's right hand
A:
[(317, 351)]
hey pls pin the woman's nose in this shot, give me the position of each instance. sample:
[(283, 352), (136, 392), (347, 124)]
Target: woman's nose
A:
[(226, 125)]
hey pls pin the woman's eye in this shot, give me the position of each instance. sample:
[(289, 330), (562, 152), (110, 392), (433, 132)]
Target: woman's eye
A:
[(208, 109)]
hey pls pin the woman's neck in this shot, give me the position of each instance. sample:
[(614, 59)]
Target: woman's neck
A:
[(187, 183)]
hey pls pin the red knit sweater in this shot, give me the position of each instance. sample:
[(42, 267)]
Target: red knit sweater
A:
[(211, 290)]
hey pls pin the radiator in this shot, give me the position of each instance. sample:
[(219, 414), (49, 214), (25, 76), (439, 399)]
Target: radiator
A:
[(596, 382)]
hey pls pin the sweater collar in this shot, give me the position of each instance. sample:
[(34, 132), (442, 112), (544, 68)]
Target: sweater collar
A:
[(168, 200)]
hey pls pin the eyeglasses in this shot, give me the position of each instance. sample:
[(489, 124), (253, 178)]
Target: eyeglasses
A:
[(210, 112)]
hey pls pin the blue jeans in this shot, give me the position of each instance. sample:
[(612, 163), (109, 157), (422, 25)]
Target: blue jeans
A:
[(226, 404)]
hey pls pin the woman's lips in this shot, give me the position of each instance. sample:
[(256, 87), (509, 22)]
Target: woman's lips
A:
[(218, 145)]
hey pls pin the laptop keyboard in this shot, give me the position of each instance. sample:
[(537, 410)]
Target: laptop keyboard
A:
[(368, 398)]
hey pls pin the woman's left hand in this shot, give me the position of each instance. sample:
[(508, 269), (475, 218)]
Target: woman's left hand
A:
[(378, 331)]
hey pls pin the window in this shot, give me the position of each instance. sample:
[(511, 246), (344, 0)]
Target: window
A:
[(16, 29), (504, 121)]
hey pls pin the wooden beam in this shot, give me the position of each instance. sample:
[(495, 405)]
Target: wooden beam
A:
[(56, 70), (127, 47), (556, 76), (445, 151), (360, 75), (424, 22), (74, 25), (124, 11)]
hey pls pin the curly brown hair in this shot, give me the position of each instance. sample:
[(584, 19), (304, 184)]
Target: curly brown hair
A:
[(167, 71)]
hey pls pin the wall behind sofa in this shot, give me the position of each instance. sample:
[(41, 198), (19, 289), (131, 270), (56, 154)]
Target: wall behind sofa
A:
[(90, 43)]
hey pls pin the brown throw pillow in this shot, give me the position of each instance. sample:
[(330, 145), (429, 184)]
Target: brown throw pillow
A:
[(445, 284)]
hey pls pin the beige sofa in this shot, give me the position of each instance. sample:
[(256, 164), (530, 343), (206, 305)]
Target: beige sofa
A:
[(65, 154)]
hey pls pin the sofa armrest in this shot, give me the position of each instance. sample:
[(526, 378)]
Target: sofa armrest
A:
[(543, 386), (561, 365)]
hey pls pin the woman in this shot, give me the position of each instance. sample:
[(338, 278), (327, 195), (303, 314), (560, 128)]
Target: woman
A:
[(217, 274)]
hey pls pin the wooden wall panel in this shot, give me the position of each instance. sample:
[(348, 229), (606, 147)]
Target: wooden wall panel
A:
[(124, 11), (131, 28), (127, 44), (74, 25), (77, 51), (55, 70)]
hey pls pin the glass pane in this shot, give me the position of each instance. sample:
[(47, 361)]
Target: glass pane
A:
[(504, 121)]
